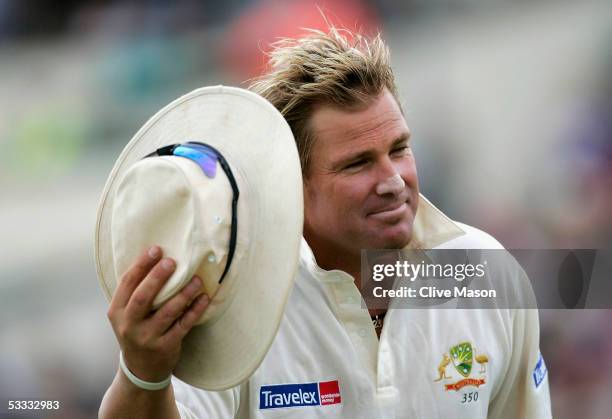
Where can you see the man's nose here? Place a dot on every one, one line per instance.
(393, 185)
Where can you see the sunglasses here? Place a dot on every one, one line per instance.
(207, 158)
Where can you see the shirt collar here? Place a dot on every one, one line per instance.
(430, 229)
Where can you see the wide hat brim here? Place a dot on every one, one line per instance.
(258, 144)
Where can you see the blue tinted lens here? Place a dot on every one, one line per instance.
(203, 156)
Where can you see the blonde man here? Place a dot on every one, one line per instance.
(338, 93)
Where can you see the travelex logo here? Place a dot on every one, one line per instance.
(299, 395)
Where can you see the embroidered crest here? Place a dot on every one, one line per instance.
(463, 356)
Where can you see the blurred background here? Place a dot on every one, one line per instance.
(509, 101)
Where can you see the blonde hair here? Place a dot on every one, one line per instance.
(337, 68)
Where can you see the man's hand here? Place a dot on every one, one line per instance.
(151, 341)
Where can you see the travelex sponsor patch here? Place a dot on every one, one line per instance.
(539, 372)
(299, 395)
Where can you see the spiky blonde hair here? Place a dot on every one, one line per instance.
(338, 68)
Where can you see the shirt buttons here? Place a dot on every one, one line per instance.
(362, 333)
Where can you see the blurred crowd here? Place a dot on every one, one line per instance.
(510, 104)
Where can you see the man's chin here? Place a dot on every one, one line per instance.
(392, 240)
(390, 236)
(398, 243)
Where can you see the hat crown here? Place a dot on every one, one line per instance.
(169, 201)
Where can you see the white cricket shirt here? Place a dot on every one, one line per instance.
(326, 361)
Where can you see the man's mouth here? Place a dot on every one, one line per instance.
(390, 212)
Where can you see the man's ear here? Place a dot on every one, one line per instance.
(305, 186)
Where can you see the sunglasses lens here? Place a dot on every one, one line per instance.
(203, 156)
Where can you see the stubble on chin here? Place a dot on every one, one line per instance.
(398, 240)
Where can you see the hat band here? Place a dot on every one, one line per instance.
(206, 156)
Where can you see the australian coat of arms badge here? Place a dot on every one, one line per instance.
(463, 356)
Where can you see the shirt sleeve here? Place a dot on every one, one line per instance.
(524, 391)
(194, 403)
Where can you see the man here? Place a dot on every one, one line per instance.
(338, 94)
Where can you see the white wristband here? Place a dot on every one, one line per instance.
(145, 385)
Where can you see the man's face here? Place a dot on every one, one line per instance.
(361, 189)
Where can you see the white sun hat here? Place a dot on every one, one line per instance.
(252, 203)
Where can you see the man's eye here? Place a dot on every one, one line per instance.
(355, 164)
(400, 150)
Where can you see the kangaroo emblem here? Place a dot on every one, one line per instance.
(442, 367)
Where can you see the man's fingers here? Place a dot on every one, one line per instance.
(140, 302)
(184, 324)
(173, 308)
(137, 272)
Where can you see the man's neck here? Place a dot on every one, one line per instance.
(330, 257)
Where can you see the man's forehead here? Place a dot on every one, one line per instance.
(354, 124)
(341, 131)
(374, 104)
